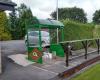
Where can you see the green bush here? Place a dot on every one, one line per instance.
(5, 36)
(4, 33)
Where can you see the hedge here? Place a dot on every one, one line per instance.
(77, 31)
(96, 31)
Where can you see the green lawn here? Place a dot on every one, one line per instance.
(91, 74)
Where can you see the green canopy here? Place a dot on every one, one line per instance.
(50, 23)
(46, 23)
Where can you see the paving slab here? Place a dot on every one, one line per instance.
(21, 59)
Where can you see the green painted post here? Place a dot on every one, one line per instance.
(27, 37)
(27, 44)
(40, 44)
(49, 36)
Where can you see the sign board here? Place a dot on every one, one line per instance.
(35, 54)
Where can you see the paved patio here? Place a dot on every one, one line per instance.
(48, 70)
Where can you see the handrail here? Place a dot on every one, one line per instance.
(79, 40)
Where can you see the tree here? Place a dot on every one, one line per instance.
(18, 28)
(76, 14)
(24, 14)
(96, 17)
(14, 26)
(4, 33)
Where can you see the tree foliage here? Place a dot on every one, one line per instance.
(14, 27)
(18, 27)
(76, 14)
(96, 17)
(4, 33)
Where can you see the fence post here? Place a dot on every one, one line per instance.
(98, 44)
(85, 45)
(67, 54)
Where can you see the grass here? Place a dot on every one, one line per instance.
(91, 74)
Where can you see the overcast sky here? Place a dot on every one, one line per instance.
(43, 8)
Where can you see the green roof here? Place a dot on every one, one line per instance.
(46, 23)
(51, 23)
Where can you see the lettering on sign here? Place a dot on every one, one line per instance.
(35, 54)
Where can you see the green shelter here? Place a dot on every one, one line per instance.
(35, 52)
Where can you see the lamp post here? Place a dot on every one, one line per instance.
(57, 9)
(57, 19)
